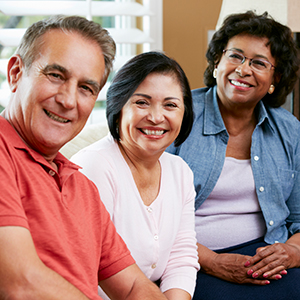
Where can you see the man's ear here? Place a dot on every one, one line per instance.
(15, 69)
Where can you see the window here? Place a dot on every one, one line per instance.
(136, 27)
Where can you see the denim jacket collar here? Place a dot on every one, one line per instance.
(213, 122)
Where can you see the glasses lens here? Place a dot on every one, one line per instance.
(260, 65)
(234, 57)
(257, 64)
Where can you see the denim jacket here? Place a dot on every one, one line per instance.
(275, 160)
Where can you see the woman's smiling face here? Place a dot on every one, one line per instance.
(240, 84)
(151, 119)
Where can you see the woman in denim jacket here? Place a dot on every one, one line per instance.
(244, 151)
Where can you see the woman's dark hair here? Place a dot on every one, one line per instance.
(282, 46)
(132, 74)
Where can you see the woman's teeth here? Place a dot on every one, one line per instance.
(153, 132)
(237, 83)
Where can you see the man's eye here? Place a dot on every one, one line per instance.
(55, 75)
(87, 89)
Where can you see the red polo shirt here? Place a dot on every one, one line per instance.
(70, 227)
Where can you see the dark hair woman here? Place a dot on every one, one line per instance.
(244, 150)
(148, 192)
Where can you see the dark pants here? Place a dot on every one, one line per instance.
(212, 288)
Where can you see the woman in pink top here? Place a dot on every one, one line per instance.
(148, 192)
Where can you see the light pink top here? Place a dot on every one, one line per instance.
(231, 215)
(161, 237)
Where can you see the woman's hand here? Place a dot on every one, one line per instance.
(272, 261)
(229, 267)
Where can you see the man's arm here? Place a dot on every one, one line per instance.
(131, 284)
(23, 275)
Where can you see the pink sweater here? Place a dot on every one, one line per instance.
(161, 237)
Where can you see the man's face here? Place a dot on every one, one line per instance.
(53, 99)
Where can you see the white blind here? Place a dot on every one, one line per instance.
(125, 32)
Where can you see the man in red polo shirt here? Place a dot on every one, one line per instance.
(56, 238)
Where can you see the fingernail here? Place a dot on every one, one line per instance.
(250, 272)
(278, 276)
(267, 282)
(265, 275)
(255, 275)
(247, 263)
(284, 272)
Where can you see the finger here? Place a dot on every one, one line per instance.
(273, 263)
(261, 267)
(261, 253)
(276, 273)
(257, 281)
(275, 277)
(268, 272)
(260, 249)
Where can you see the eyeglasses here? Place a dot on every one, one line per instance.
(257, 64)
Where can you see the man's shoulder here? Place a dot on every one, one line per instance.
(6, 129)
(8, 134)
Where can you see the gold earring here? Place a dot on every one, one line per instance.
(271, 89)
(215, 72)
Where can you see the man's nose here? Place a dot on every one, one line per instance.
(67, 95)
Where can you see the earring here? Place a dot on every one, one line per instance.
(215, 72)
(271, 89)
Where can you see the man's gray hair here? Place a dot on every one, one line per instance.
(32, 39)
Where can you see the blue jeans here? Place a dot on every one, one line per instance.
(212, 288)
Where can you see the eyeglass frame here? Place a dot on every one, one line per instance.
(250, 60)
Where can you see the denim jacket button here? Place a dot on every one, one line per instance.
(271, 223)
(256, 158)
(261, 189)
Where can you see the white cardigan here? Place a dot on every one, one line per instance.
(161, 237)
